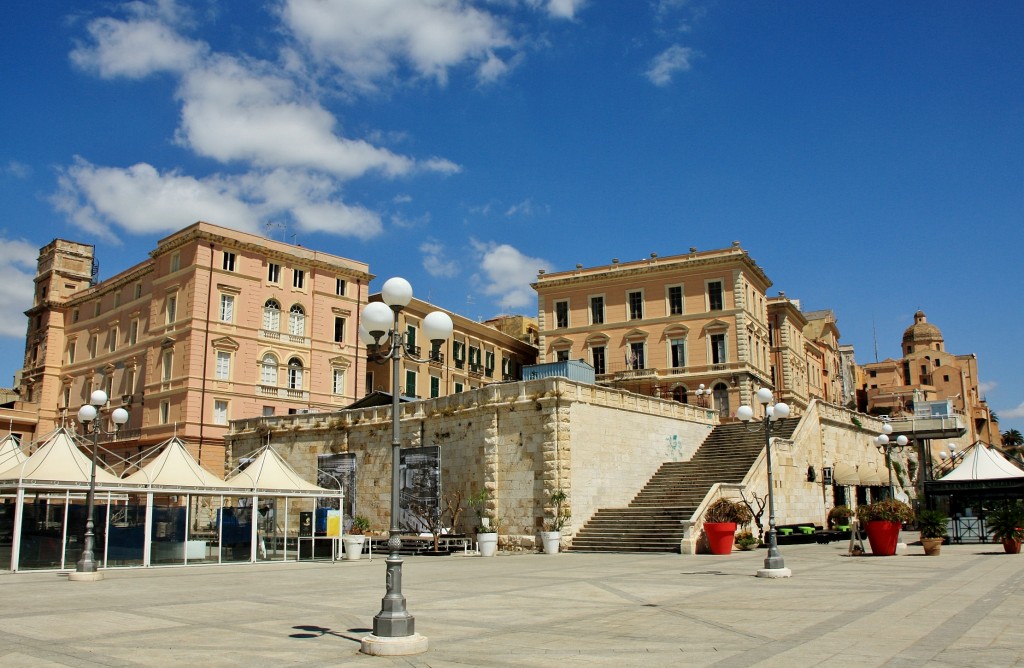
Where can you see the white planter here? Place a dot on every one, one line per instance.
(353, 546)
(551, 540)
(487, 543)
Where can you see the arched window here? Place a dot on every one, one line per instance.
(295, 374)
(268, 370)
(721, 395)
(679, 394)
(272, 316)
(297, 321)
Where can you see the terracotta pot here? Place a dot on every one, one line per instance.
(883, 536)
(1011, 546)
(932, 546)
(721, 536)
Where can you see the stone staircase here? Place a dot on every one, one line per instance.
(652, 521)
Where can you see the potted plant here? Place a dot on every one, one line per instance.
(720, 520)
(933, 525)
(883, 521)
(551, 537)
(487, 529)
(745, 540)
(355, 538)
(1006, 524)
(839, 517)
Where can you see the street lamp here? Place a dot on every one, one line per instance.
(774, 566)
(886, 446)
(394, 629)
(89, 417)
(703, 395)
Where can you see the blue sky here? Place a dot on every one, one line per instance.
(869, 155)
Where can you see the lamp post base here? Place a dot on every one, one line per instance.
(774, 573)
(399, 646)
(79, 576)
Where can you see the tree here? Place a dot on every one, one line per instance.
(1012, 437)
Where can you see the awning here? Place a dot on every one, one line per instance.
(844, 474)
(872, 478)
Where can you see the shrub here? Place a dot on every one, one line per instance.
(360, 525)
(932, 524)
(1007, 521)
(839, 515)
(724, 510)
(745, 539)
(889, 510)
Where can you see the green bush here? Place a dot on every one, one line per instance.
(1007, 521)
(932, 524)
(889, 510)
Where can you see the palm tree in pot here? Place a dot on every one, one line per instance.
(1006, 524)
(933, 526)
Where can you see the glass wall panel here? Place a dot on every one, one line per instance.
(126, 536)
(42, 531)
(236, 530)
(6, 531)
(167, 536)
(203, 537)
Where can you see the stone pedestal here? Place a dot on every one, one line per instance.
(400, 646)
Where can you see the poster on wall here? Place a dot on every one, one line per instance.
(338, 471)
(420, 475)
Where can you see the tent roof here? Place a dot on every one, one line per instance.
(175, 467)
(269, 472)
(10, 452)
(983, 463)
(58, 460)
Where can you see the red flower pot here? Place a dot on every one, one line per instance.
(1011, 546)
(883, 537)
(721, 536)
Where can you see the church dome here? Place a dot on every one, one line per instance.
(922, 331)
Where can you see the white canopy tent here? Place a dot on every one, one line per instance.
(983, 463)
(168, 511)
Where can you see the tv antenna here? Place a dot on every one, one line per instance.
(270, 225)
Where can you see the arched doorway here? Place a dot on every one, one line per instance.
(721, 396)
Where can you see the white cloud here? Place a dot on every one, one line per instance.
(18, 170)
(1012, 413)
(141, 200)
(673, 59)
(506, 274)
(435, 261)
(17, 266)
(135, 49)
(564, 9)
(984, 387)
(368, 40)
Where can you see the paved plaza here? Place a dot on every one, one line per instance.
(963, 608)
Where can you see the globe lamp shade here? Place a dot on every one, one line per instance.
(781, 411)
(396, 292)
(745, 413)
(902, 440)
(882, 439)
(87, 413)
(365, 337)
(377, 319)
(98, 398)
(764, 395)
(886, 428)
(119, 416)
(437, 326)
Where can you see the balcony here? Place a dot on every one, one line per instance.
(282, 392)
(437, 359)
(460, 364)
(476, 369)
(270, 334)
(296, 338)
(634, 374)
(120, 435)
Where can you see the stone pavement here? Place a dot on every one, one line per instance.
(962, 608)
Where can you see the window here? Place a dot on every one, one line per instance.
(597, 358)
(172, 308)
(273, 273)
(168, 365)
(71, 352)
(597, 310)
(874, 374)
(945, 378)
(268, 370)
(718, 349)
(474, 358)
(129, 382)
(298, 278)
(489, 362)
(410, 383)
(223, 365)
(715, 296)
(368, 382)
(410, 337)
(67, 397)
(459, 354)
(133, 332)
(561, 314)
(138, 290)
(227, 308)
(220, 411)
(339, 329)
(175, 262)
(562, 355)
(96, 309)
(268, 411)
(74, 316)
(677, 352)
(338, 381)
(339, 287)
(112, 341)
(435, 387)
(675, 302)
(636, 355)
(458, 387)
(635, 301)
(93, 342)
(117, 297)
(295, 374)
(297, 320)
(272, 316)
(229, 261)
(165, 412)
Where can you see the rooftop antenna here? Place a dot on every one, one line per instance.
(271, 225)
(874, 335)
